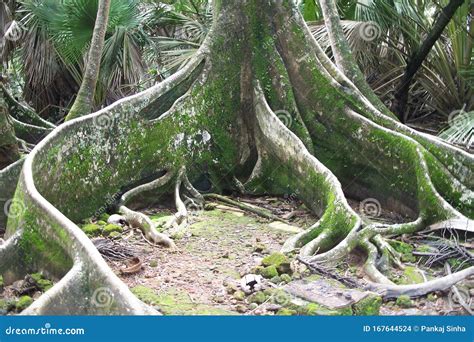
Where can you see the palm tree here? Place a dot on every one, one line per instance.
(85, 97)
(399, 27)
(59, 35)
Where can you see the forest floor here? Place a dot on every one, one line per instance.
(223, 246)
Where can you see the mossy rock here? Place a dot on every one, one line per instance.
(153, 263)
(286, 312)
(112, 228)
(239, 295)
(104, 217)
(257, 297)
(404, 301)
(269, 272)
(286, 278)
(92, 229)
(1, 282)
(102, 223)
(114, 235)
(276, 280)
(43, 283)
(23, 303)
(275, 259)
(368, 306)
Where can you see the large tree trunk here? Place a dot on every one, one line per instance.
(85, 97)
(262, 110)
(9, 152)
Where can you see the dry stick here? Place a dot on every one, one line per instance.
(349, 282)
(457, 293)
(240, 205)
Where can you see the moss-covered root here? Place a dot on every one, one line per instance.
(324, 194)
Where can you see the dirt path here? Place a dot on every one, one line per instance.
(219, 245)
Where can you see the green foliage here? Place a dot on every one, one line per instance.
(60, 33)
(396, 30)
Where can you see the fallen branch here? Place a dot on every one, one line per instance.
(260, 212)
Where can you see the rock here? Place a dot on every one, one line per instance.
(240, 308)
(251, 283)
(286, 312)
(239, 295)
(113, 235)
(23, 303)
(42, 283)
(269, 272)
(286, 278)
(253, 306)
(257, 297)
(285, 227)
(117, 219)
(280, 261)
(404, 301)
(259, 248)
(274, 259)
(276, 280)
(111, 228)
(92, 229)
(272, 307)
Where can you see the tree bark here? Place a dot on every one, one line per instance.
(9, 152)
(305, 130)
(399, 105)
(85, 97)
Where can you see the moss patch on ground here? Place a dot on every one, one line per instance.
(175, 302)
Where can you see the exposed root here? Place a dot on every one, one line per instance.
(142, 221)
(388, 251)
(370, 267)
(416, 290)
